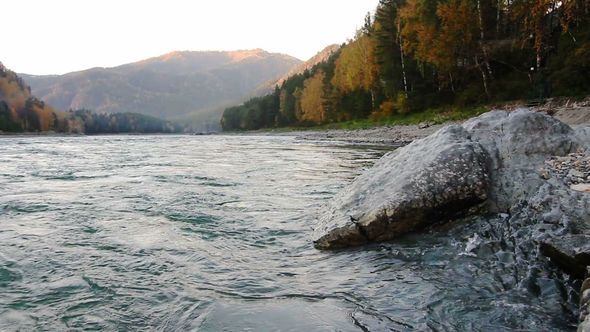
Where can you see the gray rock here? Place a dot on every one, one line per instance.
(424, 125)
(570, 252)
(519, 143)
(495, 157)
(583, 134)
(585, 307)
(428, 181)
(575, 173)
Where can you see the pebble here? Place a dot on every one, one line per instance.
(583, 187)
(544, 174)
(573, 169)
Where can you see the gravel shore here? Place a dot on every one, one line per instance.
(390, 135)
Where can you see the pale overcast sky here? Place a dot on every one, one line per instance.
(59, 36)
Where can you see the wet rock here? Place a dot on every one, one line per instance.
(430, 180)
(570, 252)
(585, 307)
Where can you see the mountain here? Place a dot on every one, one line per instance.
(188, 86)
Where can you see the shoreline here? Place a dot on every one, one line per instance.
(574, 114)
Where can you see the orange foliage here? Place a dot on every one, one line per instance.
(418, 32)
(46, 117)
(442, 39)
(457, 35)
(12, 93)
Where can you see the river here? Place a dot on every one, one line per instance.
(213, 233)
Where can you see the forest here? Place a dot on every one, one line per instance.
(417, 55)
(22, 112)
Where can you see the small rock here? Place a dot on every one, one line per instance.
(575, 173)
(583, 187)
(570, 252)
(424, 125)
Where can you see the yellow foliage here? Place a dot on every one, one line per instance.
(312, 99)
(356, 67)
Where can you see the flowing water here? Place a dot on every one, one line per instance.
(213, 233)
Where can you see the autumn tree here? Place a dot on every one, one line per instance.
(456, 40)
(356, 68)
(312, 99)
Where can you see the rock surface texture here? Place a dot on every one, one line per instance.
(427, 181)
(585, 307)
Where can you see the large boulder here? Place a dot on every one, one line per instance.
(496, 157)
(427, 181)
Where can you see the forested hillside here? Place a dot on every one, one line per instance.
(415, 55)
(20, 111)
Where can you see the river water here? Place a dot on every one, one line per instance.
(213, 233)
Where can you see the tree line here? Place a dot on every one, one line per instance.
(412, 55)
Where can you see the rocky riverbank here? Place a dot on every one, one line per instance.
(527, 166)
(388, 135)
(573, 113)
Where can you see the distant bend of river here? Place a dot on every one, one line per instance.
(213, 233)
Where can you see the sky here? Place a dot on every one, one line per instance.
(58, 36)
